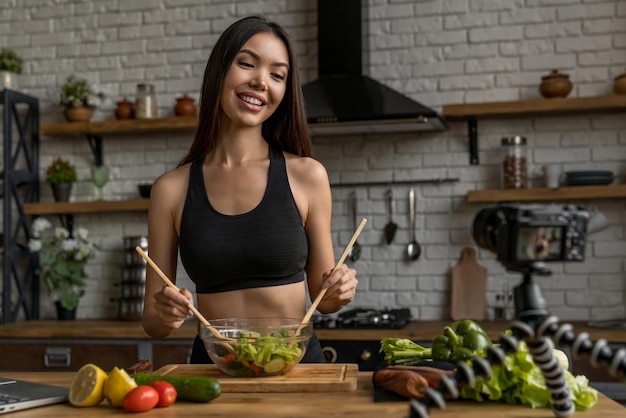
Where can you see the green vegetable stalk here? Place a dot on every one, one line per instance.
(403, 351)
(460, 341)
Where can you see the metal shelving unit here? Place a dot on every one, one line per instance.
(20, 283)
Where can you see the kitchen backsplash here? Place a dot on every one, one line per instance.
(436, 52)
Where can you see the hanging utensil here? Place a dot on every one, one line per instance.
(391, 227)
(413, 249)
(355, 252)
(318, 299)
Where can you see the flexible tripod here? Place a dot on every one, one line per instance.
(540, 331)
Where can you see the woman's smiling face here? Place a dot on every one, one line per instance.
(256, 81)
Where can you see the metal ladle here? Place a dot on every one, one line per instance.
(355, 251)
(413, 249)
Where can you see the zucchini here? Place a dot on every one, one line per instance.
(189, 388)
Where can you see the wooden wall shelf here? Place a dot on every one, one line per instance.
(616, 191)
(534, 107)
(124, 126)
(606, 104)
(70, 208)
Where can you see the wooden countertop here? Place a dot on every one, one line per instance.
(113, 329)
(357, 403)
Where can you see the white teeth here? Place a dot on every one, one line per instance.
(251, 100)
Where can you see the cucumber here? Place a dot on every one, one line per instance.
(275, 365)
(189, 388)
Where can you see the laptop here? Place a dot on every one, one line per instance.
(16, 395)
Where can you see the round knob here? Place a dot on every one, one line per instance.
(366, 355)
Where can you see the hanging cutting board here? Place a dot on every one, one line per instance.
(307, 377)
(469, 288)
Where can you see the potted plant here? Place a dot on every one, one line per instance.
(62, 261)
(61, 174)
(79, 96)
(10, 67)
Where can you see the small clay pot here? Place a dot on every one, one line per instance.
(185, 106)
(619, 85)
(555, 84)
(125, 110)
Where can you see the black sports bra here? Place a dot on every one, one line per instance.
(264, 247)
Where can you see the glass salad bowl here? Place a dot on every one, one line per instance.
(256, 347)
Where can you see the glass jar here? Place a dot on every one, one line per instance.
(514, 163)
(145, 102)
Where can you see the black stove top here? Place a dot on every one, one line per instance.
(365, 319)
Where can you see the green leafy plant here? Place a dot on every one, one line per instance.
(62, 260)
(77, 91)
(10, 61)
(60, 171)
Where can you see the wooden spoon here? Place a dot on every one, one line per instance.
(168, 282)
(319, 297)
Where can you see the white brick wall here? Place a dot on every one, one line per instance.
(438, 52)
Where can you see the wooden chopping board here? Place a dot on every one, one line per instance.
(331, 377)
(469, 288)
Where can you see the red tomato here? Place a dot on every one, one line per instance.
(257, 369)
(167, 393)
(142, 398)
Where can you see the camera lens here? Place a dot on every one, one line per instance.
(484, 229)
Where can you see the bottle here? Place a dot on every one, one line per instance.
(514, 164)
(145, 102)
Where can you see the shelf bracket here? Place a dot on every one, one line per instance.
(68, 223)
(472, 134)
(95, 143)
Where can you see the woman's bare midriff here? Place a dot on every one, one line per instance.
(286, 301)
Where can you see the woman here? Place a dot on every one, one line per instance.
(248, 206)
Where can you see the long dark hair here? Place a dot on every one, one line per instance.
(287, 126)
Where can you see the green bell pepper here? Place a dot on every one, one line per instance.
(460, 341)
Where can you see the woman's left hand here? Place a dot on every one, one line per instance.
(341, 286)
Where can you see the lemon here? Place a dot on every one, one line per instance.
(87, 387)
(117, 386)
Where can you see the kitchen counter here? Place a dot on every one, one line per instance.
(114, 329)
(357, 403)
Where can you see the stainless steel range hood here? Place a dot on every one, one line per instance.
(343, 100)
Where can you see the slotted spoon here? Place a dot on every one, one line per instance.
(391, 227)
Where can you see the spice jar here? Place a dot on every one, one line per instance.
(185, 106)
(145, 102)
(514, 164)
(619, 85)
(555, 84)
(124, 109)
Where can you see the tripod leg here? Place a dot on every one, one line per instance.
(543, 356)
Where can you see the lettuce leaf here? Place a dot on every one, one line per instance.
(520, 381)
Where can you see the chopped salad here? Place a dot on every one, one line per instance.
(259, 355)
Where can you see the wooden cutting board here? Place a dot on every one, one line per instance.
(307, 377)
(469, 288)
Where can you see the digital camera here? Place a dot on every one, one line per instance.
(524, 234)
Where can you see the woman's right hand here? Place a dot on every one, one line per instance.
(172, 306)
